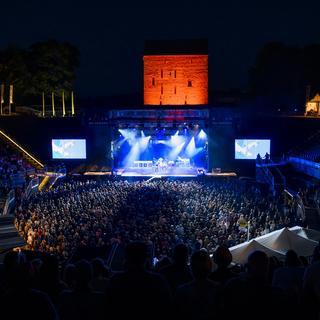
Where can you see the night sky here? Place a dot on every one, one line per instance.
(111, 38)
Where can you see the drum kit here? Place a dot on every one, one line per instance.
(162, 165)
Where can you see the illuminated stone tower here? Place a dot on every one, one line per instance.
(176, 72)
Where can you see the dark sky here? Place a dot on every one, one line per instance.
(111, 38)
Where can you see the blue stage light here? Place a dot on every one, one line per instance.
(170, 144)
(143, 143)
(202, 135)
(176, 141)
(127, 133)
(133, 155)
(191, 149)
(176, 151)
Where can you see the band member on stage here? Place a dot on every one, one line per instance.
(158, 165)
(161, 164)
(164, 165)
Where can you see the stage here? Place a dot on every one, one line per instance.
(172, 173)
(153, 172)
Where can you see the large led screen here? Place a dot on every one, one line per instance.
(249, 148)
(68, 149)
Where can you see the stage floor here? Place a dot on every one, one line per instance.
(119, 172)
(150, 172)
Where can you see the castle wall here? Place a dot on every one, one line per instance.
(175, 79)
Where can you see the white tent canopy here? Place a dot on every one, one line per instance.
(241, 251)
(306, 233)
(277, 243)
(284, 240)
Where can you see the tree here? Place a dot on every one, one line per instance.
(13, 69)
(311, 66)
(281, 68)
(52, 67)
(47, 67)
(278, 70)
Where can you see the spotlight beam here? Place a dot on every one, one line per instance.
(175, 151)
(191, 149)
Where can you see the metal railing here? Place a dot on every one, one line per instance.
(283, 178)
(263, 174)
(31, 188)
(21, 149)
(305, 166)
(9, 204)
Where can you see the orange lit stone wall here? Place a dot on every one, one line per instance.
(175, 79)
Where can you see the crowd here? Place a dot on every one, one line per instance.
(33, 287)
(200, 213)
(189, 224)
(14, 173)
(11, 164)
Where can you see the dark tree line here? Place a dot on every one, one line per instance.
(286, 70)
(47, 67)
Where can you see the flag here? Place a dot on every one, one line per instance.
(2, 93)
(11, 94)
